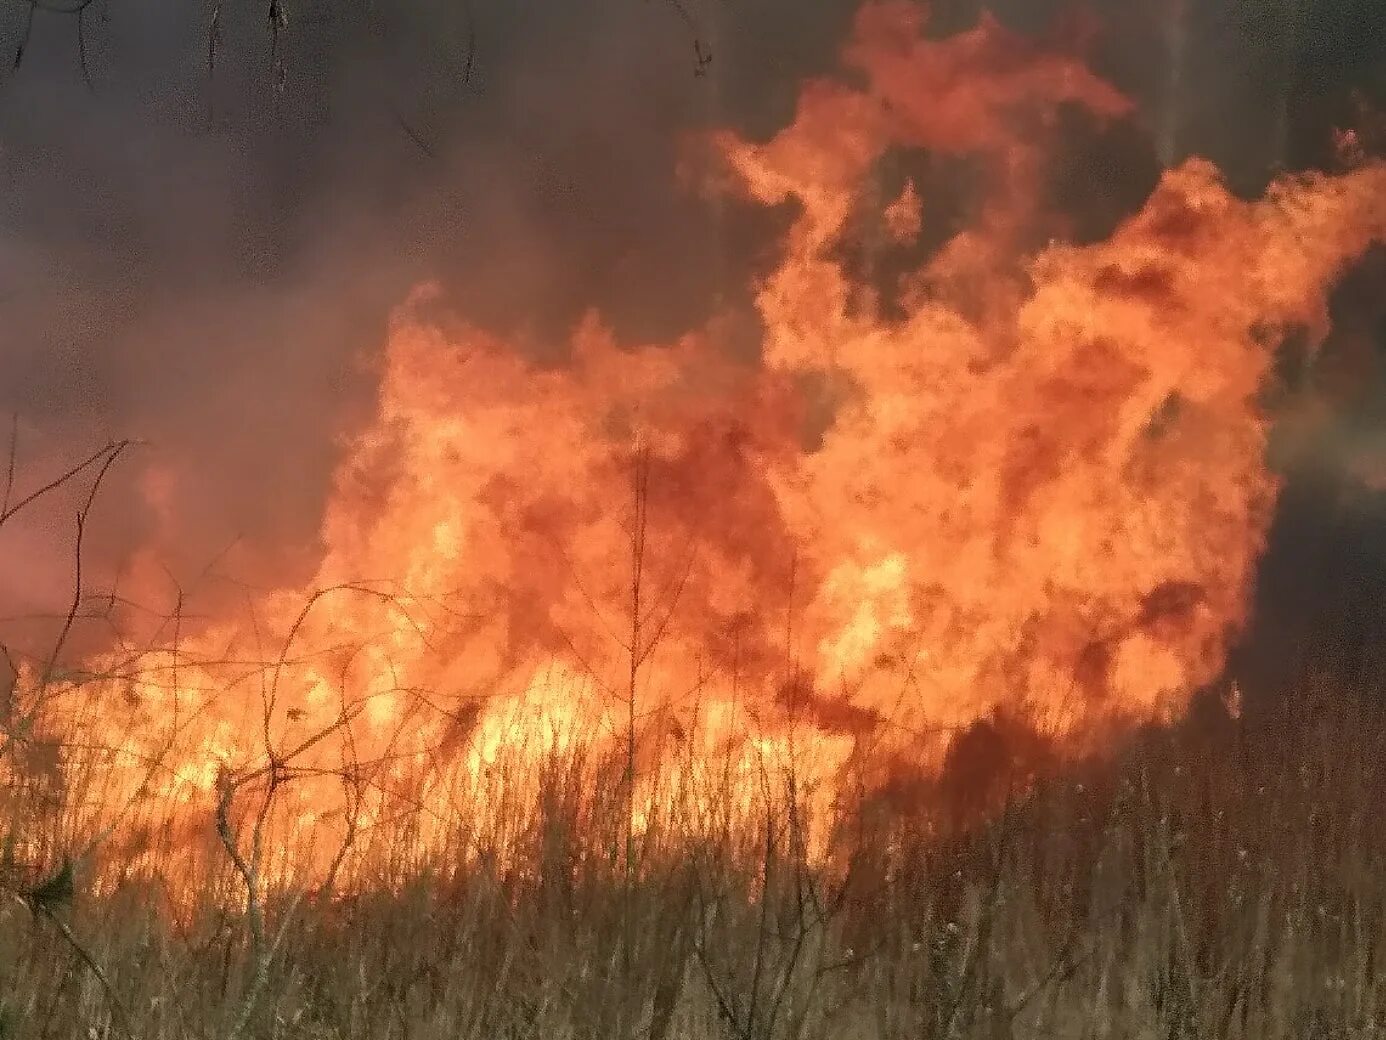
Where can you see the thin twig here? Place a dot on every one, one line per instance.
(113, 449)
(9, 470)
(82, 514)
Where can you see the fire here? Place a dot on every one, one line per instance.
(1042, 487)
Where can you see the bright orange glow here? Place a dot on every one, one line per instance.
(1043, 486)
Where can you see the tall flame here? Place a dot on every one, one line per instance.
(1041, 486)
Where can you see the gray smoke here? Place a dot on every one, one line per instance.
(205, 258)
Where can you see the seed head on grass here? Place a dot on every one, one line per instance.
(54, 892)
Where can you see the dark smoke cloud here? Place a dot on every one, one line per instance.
(204, 265)
(208, 263)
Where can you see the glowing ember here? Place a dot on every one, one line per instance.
(1043, 487)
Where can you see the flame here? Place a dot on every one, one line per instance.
(1042, 488)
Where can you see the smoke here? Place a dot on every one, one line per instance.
(202, 265)
(206, 261)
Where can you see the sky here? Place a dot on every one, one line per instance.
(207, 259)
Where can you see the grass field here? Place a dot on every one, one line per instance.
(1224, 878)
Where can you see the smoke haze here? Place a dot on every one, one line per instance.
(206, 260)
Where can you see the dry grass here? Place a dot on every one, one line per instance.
(1219, 880)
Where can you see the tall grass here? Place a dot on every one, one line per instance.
(1222, 878)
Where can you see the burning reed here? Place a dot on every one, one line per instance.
(669, 692)
(1221, 878)
(1040, 488)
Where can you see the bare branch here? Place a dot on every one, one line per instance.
(82, 49)
(9, 469)
(702, 52)
(24, 36)
(112, 449)
(412, 134)
(82, 514)
(213, 42)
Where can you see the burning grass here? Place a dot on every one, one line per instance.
(671, 719)
(1220, 878)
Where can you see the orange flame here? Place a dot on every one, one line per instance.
(1043, 486)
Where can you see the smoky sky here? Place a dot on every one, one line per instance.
(200, 247)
